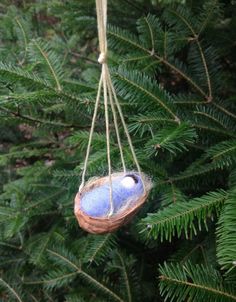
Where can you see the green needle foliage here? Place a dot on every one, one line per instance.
(181, 217)
(194, 282)
(173, 67)
(226, 231)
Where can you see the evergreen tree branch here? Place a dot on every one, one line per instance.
(216, 130)
(182, 216)
(209, 15)
(173, 139)
(203, 169)
(226, 234)
(100, 286)
(13, 74)
(198, 286)
(196, 38)
(126, 278)
(45, 56)
(161, 60)
(64, 259)
(53, 280)
(209, 116)
(24, 37)
(209, 98)
(98, 247)
(145, 91)
(11, 290)
(186, 144)
(194, 282)
(35, 120)
(183, 75)
(224, 110)
(87, 277)
(151, 35)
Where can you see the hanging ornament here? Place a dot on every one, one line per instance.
(103, 204)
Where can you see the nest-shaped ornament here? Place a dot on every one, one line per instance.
(92, 204)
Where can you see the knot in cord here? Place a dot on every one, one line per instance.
(102, 58)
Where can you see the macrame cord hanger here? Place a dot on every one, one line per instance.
(110, 98)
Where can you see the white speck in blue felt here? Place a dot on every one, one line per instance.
(96, 203)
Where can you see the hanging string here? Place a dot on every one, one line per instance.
(116, 124)
(109, 93)
(101, 7)
(104, 73)
(126, 129)
(91, 133)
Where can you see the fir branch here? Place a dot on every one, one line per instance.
(214, 116)
(214, 130)
(39, 96)
(38, 244)
(98, 248)
(224, 110)
(194, 282)
(65, 259)
(183, 75)
(12, 73)
(226, 234)
(30, 80)
(219, 156)
(35, 120)
(24, 37)
(172, 139)
(182, 217)
(10, 289)
(53, 281)
(42, 49)
(151, 34)
(209, 98)
(100, 286)
(192, 172)
(119, 36)
(144, 123)
(145, 87)
(54, 91)
(126, 278)
(88, 278)
(182, 17)
(223, 154)
(210, 10)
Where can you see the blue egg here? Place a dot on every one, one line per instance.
(96, 202)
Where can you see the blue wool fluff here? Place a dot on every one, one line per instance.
(96, 202)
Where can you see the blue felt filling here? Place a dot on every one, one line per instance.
(96, 202)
